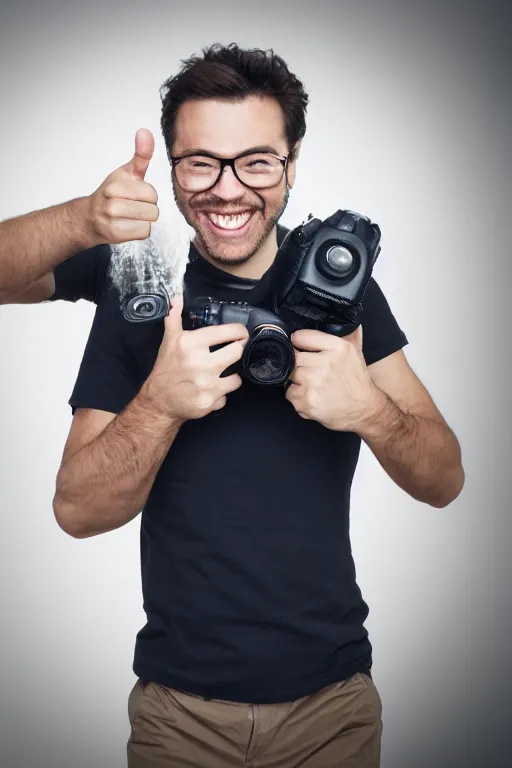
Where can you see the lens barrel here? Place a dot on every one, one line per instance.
(141, 307)
(268, 356)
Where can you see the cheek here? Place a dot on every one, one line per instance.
(274, 198)
(182, 201)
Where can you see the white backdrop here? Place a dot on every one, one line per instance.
(408, 122)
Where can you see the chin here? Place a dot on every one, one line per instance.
(223, 255)
(234, 250)
(229, 251)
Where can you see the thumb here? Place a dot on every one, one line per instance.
(173, 323)
(356, 338)
(144, 148)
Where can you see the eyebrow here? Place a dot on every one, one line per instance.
(199, 151)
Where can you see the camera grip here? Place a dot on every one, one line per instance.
(340, 329)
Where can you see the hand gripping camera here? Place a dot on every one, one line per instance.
(319, 277)
(268, 356)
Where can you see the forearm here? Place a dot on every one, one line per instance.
(32, 245)
(106, 483)
(421, 455)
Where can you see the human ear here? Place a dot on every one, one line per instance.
(292, 164)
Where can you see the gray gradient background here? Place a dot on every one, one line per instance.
(410, 121)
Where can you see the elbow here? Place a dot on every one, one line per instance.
(69, 519)
(451, 489)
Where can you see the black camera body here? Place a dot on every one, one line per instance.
(268, 356)
(323, 271)
(319, 278)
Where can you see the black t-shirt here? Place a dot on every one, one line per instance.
(83, 276)
(248, 579)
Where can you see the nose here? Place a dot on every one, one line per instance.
(228, 187)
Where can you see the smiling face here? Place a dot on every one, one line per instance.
(233, 223)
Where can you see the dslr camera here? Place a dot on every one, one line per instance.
(268, 356)
(319, 278)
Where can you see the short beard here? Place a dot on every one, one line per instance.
(270, 223)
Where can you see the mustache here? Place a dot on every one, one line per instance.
(233, 206)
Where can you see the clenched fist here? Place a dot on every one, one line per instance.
(124, 206)
(186, 382)
(330, 382)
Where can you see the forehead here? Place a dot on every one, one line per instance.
(228, 128)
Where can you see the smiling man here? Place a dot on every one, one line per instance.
(236, 223)
(255, 651)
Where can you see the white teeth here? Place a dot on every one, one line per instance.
(230, 222)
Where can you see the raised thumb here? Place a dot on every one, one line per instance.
(144, 148)
(173, 322)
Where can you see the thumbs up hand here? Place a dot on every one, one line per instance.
(123, 207)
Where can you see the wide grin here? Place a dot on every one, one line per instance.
(236, 221)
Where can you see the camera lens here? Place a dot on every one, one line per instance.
(145, 308)
(340, 260)
(141, 307)
(266, 362)
(337, 261)
(268, 356)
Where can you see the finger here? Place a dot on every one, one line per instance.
(314, 341)
(297, 376)
(220, 403)
(131, 189)
(131, 209)
(231, 383)
(125, 230)
(226, 356)
(173, 322)
(219, 334)
(292, 391)
(293, 395)
(308, 359)
(144, 148)
(356, 337)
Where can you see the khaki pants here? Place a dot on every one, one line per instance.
(338, 726)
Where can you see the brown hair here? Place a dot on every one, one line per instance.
(231, 73)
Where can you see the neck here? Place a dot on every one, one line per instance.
(255, 267)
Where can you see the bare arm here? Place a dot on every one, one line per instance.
(41, 290)
(109, 466)
(385, 404)
(110, 462)
(409, 436)
(120, 210)
(32, 245)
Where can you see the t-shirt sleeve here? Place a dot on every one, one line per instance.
(381, 333)
(109, 377)
(83, 276)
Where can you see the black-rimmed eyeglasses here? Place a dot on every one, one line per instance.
(201, 172)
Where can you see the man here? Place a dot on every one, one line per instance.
(255, 651)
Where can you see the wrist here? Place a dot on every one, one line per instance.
(151, 403)
(79, 221)
(380, 416)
